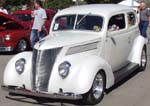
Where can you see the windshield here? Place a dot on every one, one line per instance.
(23, 17)
(78, 22)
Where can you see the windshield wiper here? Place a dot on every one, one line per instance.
(83, 17)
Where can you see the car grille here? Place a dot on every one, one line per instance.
(42, 64)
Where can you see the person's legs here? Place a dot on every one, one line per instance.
(33, 37)
(144, 29)
(140, 27)
(40, 35)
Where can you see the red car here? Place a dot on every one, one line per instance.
(15, 30)
(25, 15)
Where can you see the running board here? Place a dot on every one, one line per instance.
(122, 73)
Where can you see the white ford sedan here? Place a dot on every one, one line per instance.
(88, 50)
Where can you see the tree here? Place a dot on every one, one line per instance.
(102, 1)
(13, 5)
(58, 4)
(2, 1)
(17, 2)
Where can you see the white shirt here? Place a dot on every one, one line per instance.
(39, 16)
(4, 11)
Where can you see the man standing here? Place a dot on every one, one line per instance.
(38, 27)
(144, 19)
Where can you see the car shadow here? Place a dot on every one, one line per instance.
(13, 52)
(120, 83)
(7, 53)
(43, 101)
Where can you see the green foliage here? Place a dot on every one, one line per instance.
(58, 4)
(17, 2)
(2, 1)
(102, 1)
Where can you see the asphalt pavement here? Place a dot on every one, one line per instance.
(133, 91)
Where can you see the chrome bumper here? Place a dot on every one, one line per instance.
(22, 91)
(6, 49)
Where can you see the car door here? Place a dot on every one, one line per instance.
(132, 23)
(117, 44)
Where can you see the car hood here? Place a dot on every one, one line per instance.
(56, 40)
(7, 17)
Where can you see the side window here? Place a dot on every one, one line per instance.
(131, 19)
(116, 22)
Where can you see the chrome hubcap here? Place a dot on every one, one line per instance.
(22, 45)
(98, 86)
(143, 59)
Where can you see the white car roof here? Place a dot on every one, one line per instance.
(101, 9)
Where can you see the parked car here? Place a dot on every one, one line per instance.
(15, 30)
(88, 50)
(25, 15)
(14, 34)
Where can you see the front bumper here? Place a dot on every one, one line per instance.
(23, 91)
(6, 49)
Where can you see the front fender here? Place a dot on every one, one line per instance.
(88, 71)
(81, 76)
(12, 78)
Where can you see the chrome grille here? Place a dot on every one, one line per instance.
(42, 64)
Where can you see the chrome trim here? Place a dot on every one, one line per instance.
(22, 91)
(98, 85)
(42, 64)
(143, 59)
(6, 49)
(82, 48)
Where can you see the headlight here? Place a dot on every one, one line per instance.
(64, 69)
(7, 37)
(19, 65)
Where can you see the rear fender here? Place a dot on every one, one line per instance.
(135, 54)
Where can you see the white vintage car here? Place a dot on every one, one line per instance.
(88, 50)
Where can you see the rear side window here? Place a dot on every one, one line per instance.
(131, 19)
(116, 22)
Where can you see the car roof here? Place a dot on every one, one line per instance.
(101, 9)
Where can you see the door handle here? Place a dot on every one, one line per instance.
(113, 40)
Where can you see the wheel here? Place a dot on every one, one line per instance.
(143, 59)
(22, 45)
(96, 92)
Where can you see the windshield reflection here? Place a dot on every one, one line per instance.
(78, 22)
